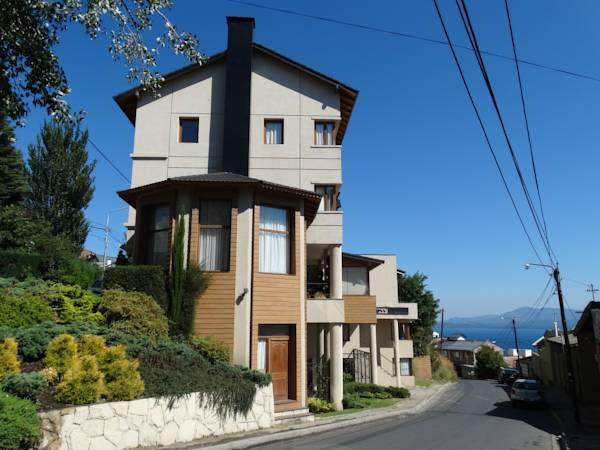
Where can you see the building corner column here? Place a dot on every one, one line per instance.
(336, 367)
(397, 352)
(335, 272)
(373, 343)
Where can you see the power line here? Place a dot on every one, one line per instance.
(410, 36)
(518, 70)
(466, 20)
(109, 161)
(485, 134)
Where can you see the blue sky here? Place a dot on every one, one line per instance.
(418, 179)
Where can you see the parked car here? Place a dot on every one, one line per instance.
(526, 390)
(507, 376)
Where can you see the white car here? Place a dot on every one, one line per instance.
(526, 391)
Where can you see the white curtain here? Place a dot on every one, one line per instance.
(405, 367)
(355, 281)
(324, 133)
(261, 355)
(214, 249)
(274, 131)
(274, 238)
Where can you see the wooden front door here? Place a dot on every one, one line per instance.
(278, 366)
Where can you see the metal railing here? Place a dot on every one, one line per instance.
(358, 364)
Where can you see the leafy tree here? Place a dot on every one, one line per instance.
(61, 180)
(30, 70)
(412, 289)
(12, 170)
(488, 361)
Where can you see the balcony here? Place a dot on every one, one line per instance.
(326, 228)
(325, 310)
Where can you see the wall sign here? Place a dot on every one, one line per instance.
(389, 311)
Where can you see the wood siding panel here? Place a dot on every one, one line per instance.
(216, 306)
(277, 299)
(360, 309)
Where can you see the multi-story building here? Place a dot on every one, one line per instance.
(247, 149)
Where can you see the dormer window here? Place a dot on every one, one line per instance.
(273, 131)
(188, 130)
(324, 132)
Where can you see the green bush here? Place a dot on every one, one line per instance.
(357, 388)
(316, 405)
(9, 364)
(78, 272)
(353, 401)
(23, 311)
(488, 361)
(261, 379)
(211, 348)
(369, 390)
(382, 395)
(24, 385)
(122, 379)
(61, 354)
(91, 345)
(194, 283)
(19, 423)
(73, 304)
(134, 313)
(82, 384)
(147, 279)
(397, 392)
(20, 265)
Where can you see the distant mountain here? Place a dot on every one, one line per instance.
(525, 317)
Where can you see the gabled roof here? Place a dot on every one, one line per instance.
(127, 100)
(465, 346)
(227, 179)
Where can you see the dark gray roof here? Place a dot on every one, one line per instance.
(561, 339)
(217, 177)
(465, 346)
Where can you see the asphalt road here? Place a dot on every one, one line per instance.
(473, 415)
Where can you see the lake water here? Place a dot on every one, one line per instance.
(503, 336)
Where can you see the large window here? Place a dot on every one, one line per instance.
(273, 131)
(188, 129)
(274, 240)
(329, 196)
(355, 281)
(324, 133)
(215, 235)
(158, 236)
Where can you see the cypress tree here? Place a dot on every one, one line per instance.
(61, 179)
(13, 178)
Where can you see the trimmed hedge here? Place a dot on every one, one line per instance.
(375, 391)
(19, 423)
(211, 348)
(147, 279)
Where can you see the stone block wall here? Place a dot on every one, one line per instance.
(147, 422)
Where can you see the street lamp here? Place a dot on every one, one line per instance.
(569, 365)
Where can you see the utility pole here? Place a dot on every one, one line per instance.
(106, 231)
(517, 347)
(593, 291)
(442, 334)
(568, 355)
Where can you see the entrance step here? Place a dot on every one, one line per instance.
(294, 416)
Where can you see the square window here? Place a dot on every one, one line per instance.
(324, 131)
(273, 131)
(330, 196)
(188, 129)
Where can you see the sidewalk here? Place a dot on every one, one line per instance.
(584, 436)
(420, 400)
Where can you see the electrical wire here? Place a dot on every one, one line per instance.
(109, 161)
(410, 36)
(483, 129)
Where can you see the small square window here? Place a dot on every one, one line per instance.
(273, 131)
(324, 133)
(188, 129)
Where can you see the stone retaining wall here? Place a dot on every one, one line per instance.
(147, 422)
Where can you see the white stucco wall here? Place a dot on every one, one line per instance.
(148, 422)
(383, 281)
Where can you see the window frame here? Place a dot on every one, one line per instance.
(183, 119)
(333, 132)
(280, 121)
(333, 201)
(150, 231)
(216, 226)
(289, 214)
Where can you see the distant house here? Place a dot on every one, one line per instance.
(463, 352)
(457, 337)
(587, 332)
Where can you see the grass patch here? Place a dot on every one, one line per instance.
(370, 403)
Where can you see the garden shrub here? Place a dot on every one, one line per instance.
(19, 423)
(82, 383)
(261, 379)
(211, 348)
(23, 311)
(24, 385)
(316, 405)
(357, 388)
(19, 264)
(141, 278)
(92, 345)
(194, 283)
(353, 401)
(50, 375)
(397, 392)
(122, 379)
(73, 304)
(9, 363)
(133, 313)
(382, 395)
(61, 354)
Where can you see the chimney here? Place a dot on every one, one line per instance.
(238, 66)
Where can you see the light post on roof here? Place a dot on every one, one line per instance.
(567, 346)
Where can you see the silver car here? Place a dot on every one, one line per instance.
(526, 391)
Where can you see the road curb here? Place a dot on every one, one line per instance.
(370, 416)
